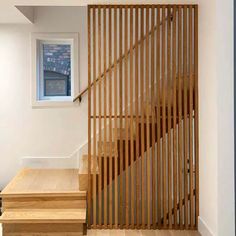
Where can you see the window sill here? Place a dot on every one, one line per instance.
(53, 104)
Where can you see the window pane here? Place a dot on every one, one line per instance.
(57, 69)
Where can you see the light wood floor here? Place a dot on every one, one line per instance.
(142, 233)
(137, 233)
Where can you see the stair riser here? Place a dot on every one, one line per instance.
(45, 229)
(44, 203)
(107, 148)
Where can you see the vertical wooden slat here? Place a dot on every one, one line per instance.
(131, 119)
(120, 110)
(169, 173)
(174, 115)
(191, 120)
(147, 122)
(100, 119)
(158, 91)
(164, 117)
(196, 130)
(94, 118)
(89, 119)
(126, 120)
(180, 143)
(115, 111)
(110, 116)
(137, 152)
(185, 118)
(105, 113)
(153, 122)
(142, 115)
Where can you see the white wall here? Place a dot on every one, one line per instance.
(225, 178)
(208, 119)
(37, 132)
(216, 118)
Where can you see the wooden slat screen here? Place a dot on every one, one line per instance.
(143, 116)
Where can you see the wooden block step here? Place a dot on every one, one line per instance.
(46, 183)
(121, 133)
(110, 148)
(65, 202)
(44, 202)
(28, 216)
(83, 171)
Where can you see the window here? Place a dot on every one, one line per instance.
(54, 69)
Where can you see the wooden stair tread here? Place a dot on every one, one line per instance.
(110, 148)
(121, 133)
(44, 216)
(44, 182)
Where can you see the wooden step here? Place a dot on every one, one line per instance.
(46, 183)
(28, 216)
(83, 171)
(44, 222)
(44, 189)
(110, 148)
(44, 202)
(84, 164)
(121, 133)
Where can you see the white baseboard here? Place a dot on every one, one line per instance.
(203, 228)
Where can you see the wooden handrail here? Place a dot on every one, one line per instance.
(79, 96)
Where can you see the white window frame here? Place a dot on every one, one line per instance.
(37, 40)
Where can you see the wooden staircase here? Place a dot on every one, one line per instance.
(138, 137)
(121, 145)
(44, 202)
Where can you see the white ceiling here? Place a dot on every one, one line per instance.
(10, 14)
(21, 11)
